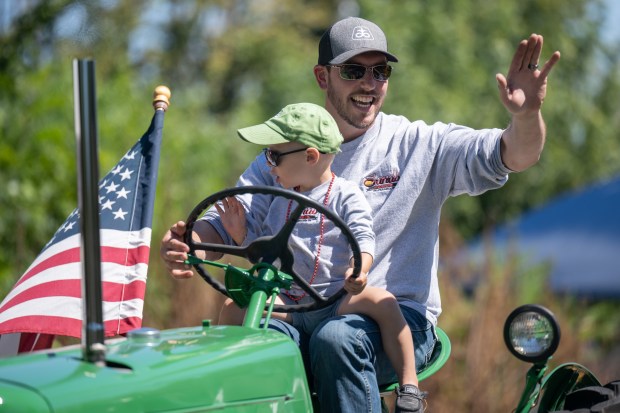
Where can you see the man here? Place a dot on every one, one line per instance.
(406, 170)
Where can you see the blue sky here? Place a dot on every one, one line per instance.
(612, 27)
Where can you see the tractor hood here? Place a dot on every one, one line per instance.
(226, 368)
(20, 398)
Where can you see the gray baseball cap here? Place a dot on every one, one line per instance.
(350, 37)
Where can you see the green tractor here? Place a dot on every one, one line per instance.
(248, 368)
(252, 368)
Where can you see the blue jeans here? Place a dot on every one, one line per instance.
(347, 362)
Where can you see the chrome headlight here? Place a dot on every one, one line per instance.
(532, 333)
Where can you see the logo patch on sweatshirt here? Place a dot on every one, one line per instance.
(309, 214)
(381, 183)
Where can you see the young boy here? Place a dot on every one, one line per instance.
(302, 140)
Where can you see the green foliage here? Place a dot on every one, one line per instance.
(598, 326)
(35, 167)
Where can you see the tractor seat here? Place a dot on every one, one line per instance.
(440, 355)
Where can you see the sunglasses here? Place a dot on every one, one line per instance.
(273, 157)
(350, 71)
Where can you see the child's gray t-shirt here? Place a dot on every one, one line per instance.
(349, 203)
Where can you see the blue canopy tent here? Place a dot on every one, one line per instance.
(577, 234)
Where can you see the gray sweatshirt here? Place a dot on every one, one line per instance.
(407, 170)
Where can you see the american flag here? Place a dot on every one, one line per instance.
(47, 299)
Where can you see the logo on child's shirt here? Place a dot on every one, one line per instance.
(309, 214)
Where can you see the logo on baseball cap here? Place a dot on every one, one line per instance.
(348, 38)
(306, 123)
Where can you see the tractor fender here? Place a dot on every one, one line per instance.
(564, 379)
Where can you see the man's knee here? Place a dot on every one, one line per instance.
(285, 328)
(343, 334)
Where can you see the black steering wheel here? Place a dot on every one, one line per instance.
(268, 249)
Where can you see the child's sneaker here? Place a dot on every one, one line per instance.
(409, 399)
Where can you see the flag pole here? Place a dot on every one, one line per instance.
(93, 347)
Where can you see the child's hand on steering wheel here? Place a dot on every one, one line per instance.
(355, 285)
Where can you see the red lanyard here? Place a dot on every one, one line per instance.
(321, 233)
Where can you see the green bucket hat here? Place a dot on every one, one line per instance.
(306, 123)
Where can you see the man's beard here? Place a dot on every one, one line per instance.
(340, 107)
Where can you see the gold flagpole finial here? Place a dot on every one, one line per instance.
(161, 98)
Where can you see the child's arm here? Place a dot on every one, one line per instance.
(232, 215)
(356, 285)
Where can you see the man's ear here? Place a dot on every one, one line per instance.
(320, 74)
(312, 155)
